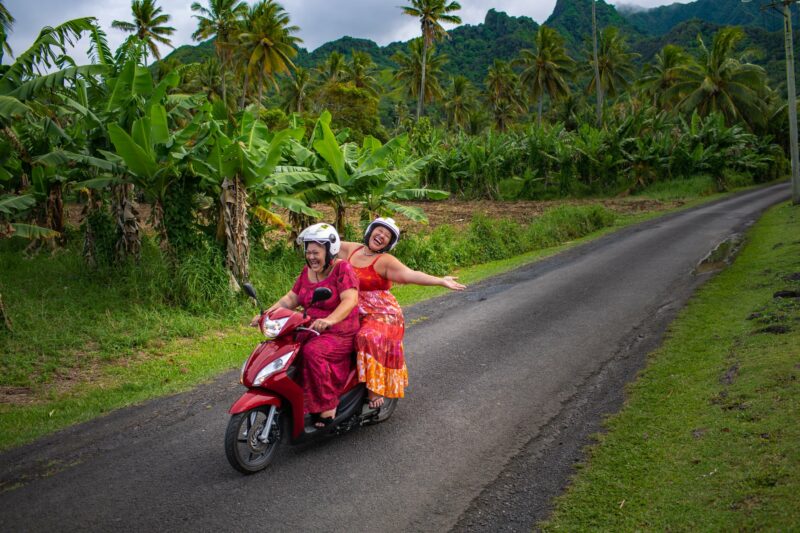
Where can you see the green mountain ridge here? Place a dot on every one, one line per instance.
(471, 49)
(660, 20)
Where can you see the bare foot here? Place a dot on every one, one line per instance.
(375, 400)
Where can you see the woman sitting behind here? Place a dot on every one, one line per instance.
(326, 358)
(379, 342)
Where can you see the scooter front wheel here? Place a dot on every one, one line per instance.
(249, 444)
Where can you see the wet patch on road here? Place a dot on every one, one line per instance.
(721, 256)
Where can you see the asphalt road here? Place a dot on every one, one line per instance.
(508, 379)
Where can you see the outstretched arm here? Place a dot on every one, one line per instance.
(397, 272)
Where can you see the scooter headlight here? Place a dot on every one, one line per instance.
(274, 366)
(272, 328)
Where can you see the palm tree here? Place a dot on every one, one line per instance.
(359, 72)
(505, 97)
(596, 65)
(720, 82)
(148, 25)
(6, 22)
(615, 64)
(220, 20)
(429, 13)
(546, 68)
(268, 43)
(332, 70)
(297, 90)
(206, 78)
(460, 102)
(659, 77)
(411, 66)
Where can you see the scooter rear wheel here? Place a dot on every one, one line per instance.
(247, 447)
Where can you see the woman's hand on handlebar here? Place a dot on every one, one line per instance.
(320, 325)
(254, 322)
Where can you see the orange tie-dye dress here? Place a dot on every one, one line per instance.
(379, 342)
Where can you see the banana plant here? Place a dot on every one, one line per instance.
(246, 163)
(399, 180)
(373, 175)
(156, 157)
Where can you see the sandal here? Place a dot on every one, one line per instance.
(321, 422)
(376, 402)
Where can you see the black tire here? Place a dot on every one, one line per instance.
(388, 407)
(245, 451)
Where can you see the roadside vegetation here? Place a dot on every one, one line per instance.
(708, 435)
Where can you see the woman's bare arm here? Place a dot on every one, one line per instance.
(348, 301)
(397, 272)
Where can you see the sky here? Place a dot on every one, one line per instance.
(320, 21)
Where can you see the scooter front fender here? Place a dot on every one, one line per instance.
(254, 398)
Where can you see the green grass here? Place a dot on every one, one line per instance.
(710, 432)
(678, 189)
(88, 342)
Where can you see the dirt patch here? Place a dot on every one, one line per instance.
(776, 329)
(17, 395)
(456, 213)
(730, 375)
(786, 294)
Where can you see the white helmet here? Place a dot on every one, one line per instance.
(387, 223)
(323, 234)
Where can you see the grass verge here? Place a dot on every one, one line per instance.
(708, 438)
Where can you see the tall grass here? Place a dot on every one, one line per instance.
(445, 249)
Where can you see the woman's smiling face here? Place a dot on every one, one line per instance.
(379, 238)
(315, 257)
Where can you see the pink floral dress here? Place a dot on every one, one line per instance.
(379, 343)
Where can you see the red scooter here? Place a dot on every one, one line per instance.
(271, 413)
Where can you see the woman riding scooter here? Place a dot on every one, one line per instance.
(327, 357)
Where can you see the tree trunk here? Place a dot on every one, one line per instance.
(341, 211)
(243, 99)
(297, 221)
(539, 111)
(126, 217)
(598, 84)
(159, 224)
(93, 204)
(421, 98)
(23, 154)
(234, 204)
(223, 62)
(55, 210)
(4, 315)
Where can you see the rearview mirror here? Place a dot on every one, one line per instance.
(250, 291)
